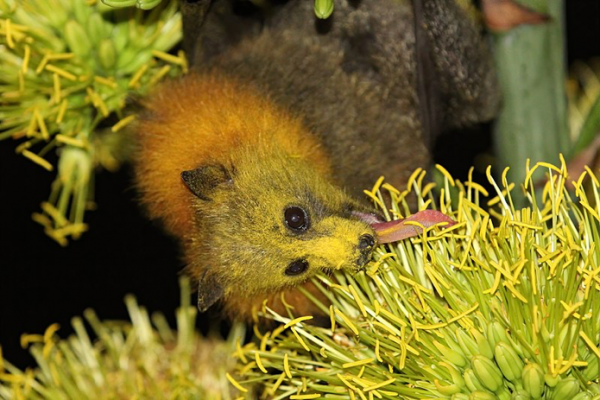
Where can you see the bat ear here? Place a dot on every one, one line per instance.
(209, 292)
(203, 180)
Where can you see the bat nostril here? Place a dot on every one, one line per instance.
(366, 242)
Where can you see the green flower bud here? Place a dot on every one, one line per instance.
(147, 4)
(509, 362)
(466, 343)
(502, 393)
(323, 8)
(487, 372)
(592, 371)
(77, 38)
(81, 10)
(566, 389)
(516, 346)
(451, 355)
(446, 390)
(496, 333)
(482, 344)
(551, 380)
(471, 381)
(107, 54)
(479, 395)
(455, 375)
(594, 388)
(459, 396)
(521, 394)
(533, 380)
(119, 3)
(582, 396)
(98, 28)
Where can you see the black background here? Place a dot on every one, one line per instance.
(42, 283)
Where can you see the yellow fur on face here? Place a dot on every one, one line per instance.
(238, 238)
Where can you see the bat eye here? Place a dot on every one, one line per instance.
(296, 218)
(296, 267)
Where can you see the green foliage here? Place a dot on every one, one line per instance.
(530, 62)
(584, 104)
(67, 68)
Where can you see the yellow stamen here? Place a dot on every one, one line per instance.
(240, 352)
(50, 331)
(445, 172)
(167, 57)
(184, 63)
(42, 124)
(26, 58)
(305, 396)
(347, 383)
(277, 383)
(358, 301)
(464, 313)
(235, 383)
(347, 321)
(30, 338)
(8, 33)
(375, 199)
(590, 344)
(332, 319)
(109, 82)
(61, 111)
(477, 187)
(122, 123)
(286, 366)
(380, 385)
(38, 160)
(412, 178)
(61, 56)
(514, 291)
(56, 80)
(263, 342)
(296, 321)
(137, 76)
(377, 355)
(259, 362)
(300, 340)
(70, 141)
(357, 363)
(61, 72)
(159, 75)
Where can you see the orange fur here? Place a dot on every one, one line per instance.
(208, 118)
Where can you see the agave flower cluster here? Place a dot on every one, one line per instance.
(503, 305)
(142, 359)
(67, 69)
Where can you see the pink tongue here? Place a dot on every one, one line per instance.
(393, 231)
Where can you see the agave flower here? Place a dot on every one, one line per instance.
(503, 305)
(142, 359)
(67, 69)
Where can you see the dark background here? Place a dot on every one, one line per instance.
(42, 283)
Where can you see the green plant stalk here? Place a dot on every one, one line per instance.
(531, 69)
